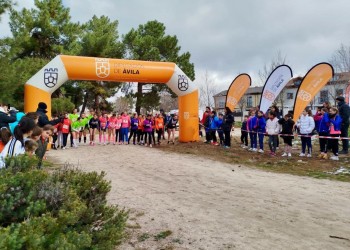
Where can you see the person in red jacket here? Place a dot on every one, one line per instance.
(65, 130)
(206, 115)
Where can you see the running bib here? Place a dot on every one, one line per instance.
(160, 125)
(125, 121)
(65, 126)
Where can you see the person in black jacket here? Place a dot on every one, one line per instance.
(6, 116)
(344, 112)
(227, 124)
(287, 133)
(43, 118)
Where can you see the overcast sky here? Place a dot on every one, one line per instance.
(229, 37)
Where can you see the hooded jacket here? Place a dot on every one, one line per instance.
(344, 110)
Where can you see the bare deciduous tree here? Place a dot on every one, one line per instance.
(341, 59)
(277, 60)
(123, 104)
(167, 102)
(242, 104)
(207, 89)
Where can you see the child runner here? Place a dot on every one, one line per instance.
(94, 125)
(214, 127)
(42, 143)
(134, 127)
(65, 130)
(272, 129)
(112, 122)
(171, 128)
(159, 127)
(84, 120)
(103, 129)
(125, 127)
(334, 131)
(306, 125)
(118, 136)
(153, 129)
(244, 132)
(147, 125)
(140, 132)
(76, 128)
(73, 117)
(287, 133)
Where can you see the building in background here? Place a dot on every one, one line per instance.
(339, 85)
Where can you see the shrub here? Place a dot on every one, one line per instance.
(66, 209)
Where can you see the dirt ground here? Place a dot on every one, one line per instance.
(185, 201)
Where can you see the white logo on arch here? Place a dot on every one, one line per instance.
(102, 67)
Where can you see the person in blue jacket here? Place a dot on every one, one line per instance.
(334, 131)
(261, 124)
(214, 120)
(252, 129)
(220, 130)
(322, 127)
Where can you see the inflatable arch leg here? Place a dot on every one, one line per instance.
(63, 68)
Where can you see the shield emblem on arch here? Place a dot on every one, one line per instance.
(186, 115)
(102, 68)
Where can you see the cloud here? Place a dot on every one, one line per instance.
(228, 37)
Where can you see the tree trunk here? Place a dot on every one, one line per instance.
(97, 106)
(84, 103)
(139, 97)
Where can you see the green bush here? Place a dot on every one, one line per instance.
(66, 209)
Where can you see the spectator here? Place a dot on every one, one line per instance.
(228, 122)
(43, 119)
(6, 116)
(344, 112)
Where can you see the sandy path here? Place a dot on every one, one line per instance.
(206, 205)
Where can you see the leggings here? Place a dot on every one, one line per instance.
(65, 137)
(244, 138)
(261, 141)
(149, 134)
(334, 144)
(139, 135)
(117, 134)
(159, 133)
(133, 134)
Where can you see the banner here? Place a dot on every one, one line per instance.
(315, 79)
(237, 89)
(274, 84)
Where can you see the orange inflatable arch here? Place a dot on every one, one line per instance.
(63, 68)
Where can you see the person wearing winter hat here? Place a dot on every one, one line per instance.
(43, 118)
(344, 113)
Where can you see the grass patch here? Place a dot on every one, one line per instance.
(162, 235)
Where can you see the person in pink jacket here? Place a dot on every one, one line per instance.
(125, 127)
